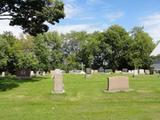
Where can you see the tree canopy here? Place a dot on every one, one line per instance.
(32, 15)
(114, 48)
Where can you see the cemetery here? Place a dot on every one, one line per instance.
(74, 60)
(82, 99)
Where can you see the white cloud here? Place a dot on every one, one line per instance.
(152, 25)
(71, 10)
(5, 27)
(78, 27)
(114, 16)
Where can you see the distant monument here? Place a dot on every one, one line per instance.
(117, 83)
(58, 82)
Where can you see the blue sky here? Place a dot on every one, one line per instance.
(97, 15)
(91, 15)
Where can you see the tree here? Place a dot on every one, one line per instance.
(72, 45)
(24, 54)
(89, 53)
(31, 15)
(16, 54)
(47, 48)
(3, 50)
(141, 48)
(114, 46)
(7, 52)
(54, 43)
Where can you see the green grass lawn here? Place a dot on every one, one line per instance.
(84, 99)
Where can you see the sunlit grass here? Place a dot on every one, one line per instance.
(84, 99)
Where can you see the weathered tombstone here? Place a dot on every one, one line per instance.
(118, 71)
(135, 72)
(95, 71)
(101, 69)
(23, 74)
(58, 82)
(141, 71)
(32, 73)
(125, 70)
(108, 70)
(88, 72)
(92, 71)
(147, 72)
(118, 83)
(130, 71)
(3, 74)
(44, 73)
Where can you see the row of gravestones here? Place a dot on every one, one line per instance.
(26, 74)
(124, 70)
(116, 83)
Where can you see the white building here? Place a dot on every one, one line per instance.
(155, 53)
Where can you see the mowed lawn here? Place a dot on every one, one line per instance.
(84, 99)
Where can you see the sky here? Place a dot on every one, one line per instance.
(98, 15)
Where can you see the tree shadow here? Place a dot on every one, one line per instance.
(8, 83)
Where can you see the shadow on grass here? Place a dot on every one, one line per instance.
(8, 83)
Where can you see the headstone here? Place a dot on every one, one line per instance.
(92, 71)
(75, 72)
(95, 71)
(44, 73)
(58, 82)
(125, 70)
(88, 70)
(108, 70)
(130, 71)
(135, 72)
(147, 72)
(118, 83)
(3, 74)
(118, 71)
(32, 73)
(101, 69)
(141, 71)
(23, 74)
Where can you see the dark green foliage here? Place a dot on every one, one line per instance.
(115, 45)
(141, 48)
(31, 15)
(47, 48)
(112, 49)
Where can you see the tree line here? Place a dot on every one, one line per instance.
(114, 48)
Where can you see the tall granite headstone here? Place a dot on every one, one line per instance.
(58, 82)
